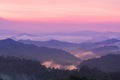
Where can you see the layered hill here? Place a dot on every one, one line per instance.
(9, 47)
(83, 50)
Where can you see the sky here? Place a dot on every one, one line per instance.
(60, 15)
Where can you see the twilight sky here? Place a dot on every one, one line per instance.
(60, 15)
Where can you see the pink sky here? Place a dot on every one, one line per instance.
(60, 9)
(54, 13)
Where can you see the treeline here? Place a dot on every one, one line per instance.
(13, 68)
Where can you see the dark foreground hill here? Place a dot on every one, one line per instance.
(13, 68)
(108, 63)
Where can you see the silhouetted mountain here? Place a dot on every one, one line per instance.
(106, 50)
(51, 43)
(109, 41)
(10, 47)
(82, 50)
(110, 46)
(108, 63)
(106, 47)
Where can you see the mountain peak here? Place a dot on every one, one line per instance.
(53, 40)
(8, 40)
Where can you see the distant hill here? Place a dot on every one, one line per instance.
(51, 43)
(108, 63)
(107, 47)
(83, 50)
(9, 47)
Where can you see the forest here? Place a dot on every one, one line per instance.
(14, 68)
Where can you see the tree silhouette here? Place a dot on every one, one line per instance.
(77, 78)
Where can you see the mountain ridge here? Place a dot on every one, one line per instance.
(87, 49)
(9, 47)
